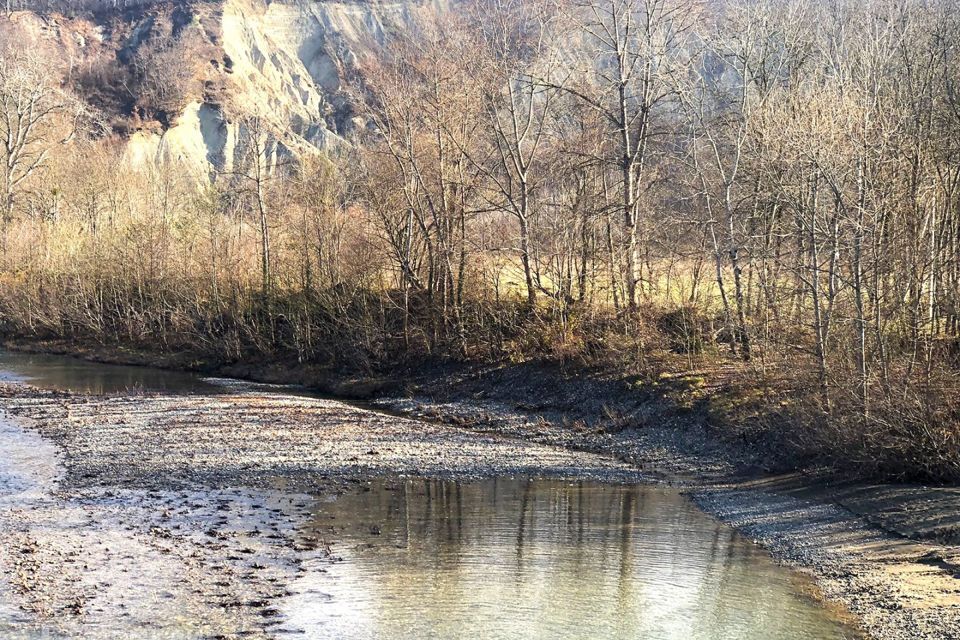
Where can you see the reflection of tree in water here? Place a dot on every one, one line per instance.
(550, 558)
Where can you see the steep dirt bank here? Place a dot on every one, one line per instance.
(299, 66)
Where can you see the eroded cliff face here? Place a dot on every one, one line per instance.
(295, 64)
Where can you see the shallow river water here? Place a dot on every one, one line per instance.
(520, 558)
(81, 376)
(495, 559)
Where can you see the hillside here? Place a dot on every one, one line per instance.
(175, 80)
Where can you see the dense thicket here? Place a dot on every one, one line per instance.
(766, 183)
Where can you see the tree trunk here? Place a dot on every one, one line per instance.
(858, 295)
(264, 241)
(7, 219)
(820, 347)
(525, 246)
(744, 337)
(630, 231)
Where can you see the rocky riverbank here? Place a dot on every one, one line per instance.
(133, 525)
(884, 552)
(887, 553)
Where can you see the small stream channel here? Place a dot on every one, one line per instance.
(500, 558)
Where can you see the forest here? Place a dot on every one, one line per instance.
(758, 194)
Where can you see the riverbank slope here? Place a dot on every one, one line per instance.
(886, 552)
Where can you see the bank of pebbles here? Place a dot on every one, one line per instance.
(177, 515)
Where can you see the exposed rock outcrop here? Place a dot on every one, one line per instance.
(295, 64)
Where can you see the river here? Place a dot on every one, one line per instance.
(504, 557)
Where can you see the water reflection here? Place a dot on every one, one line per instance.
(80, 376)
(512, 558)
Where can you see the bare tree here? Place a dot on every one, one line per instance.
(256, 167)
(29, 105)
(518, 40)
(632, 49)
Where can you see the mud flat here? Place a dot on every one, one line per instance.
(122, 563)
